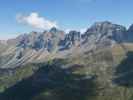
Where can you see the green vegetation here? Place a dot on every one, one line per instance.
(98, 75)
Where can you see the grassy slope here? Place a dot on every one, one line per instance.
(102, 64)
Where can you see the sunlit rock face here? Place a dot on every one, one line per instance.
(37, 45)
(104, 31)
(47, 40)
(129, 34)
(56, 40)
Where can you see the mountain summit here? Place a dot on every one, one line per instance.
(37, 45)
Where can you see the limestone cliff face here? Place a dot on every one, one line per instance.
(37, 45)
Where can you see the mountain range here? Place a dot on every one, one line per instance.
(37, 45)
(48, 62)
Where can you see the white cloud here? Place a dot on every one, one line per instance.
(36, 21)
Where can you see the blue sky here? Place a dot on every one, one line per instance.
(16, 16)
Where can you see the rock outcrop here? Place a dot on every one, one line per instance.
(36, 44)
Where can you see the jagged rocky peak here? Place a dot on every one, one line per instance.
(106, 30)
(74, 37)
(47, 40)
(57, 33)
(129, 34)
(99, 35)
(53, 30)
(105, 27)
(55, 39)
(74, 34)
(130, 28)
(71, 39)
